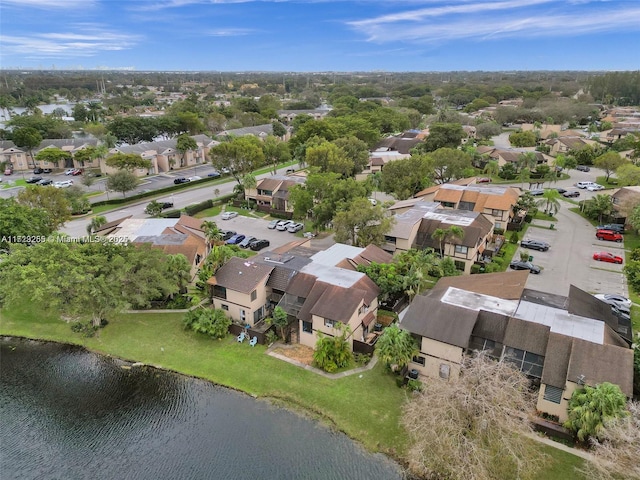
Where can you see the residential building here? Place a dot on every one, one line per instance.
(560, 343)
(271, 194)
(19, 159)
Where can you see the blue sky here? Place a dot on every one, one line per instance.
(321, 35)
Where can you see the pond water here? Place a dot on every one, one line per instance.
(66, 413)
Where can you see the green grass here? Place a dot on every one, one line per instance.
(560, 465)
(209, 212)
(367, 407)
(244, 212)
(544, 216)
(612, 183)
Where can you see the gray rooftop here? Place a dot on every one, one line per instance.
(335, 254)
(340, 277)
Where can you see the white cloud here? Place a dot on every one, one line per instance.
(229, 32)
(86, 41)
(500, 19)
(51, 4)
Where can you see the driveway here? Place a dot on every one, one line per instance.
(256, 227)
(570, 258)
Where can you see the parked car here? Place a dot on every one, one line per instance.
(537, 192)
(609, 235)
(8, 171)
(273, 224)
(229, 215)
(373, 201)
(483, 180)
(213, 174)
(236, 239)
(38, 171)
(561, 190)
(622, 315)
(535, 245)
(583, 168)
(289, 170)
(69, 171)
(520, 265)
(46, 170)
(259, 244)
(45, 181)
(166, 205)
(180, 180)
(571, 194)
(63, 184)
(607, 257)
(283, 224)
(616, 227)
(595, 187)
(308, 234)
(194, 178)
(584, 184)
(623, 303)
(294, 227)
(227, 234)
(33, 179)
(247, 240)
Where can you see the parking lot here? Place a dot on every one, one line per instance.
(256, 227)
(570, 258)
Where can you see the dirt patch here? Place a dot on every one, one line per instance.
(299, 353)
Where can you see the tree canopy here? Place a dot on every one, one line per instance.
(52, 200)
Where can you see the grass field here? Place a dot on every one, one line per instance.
(367, 406)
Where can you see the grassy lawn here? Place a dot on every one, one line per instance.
(245, 212)
(209, 212)
(612, 183)
(545, 216)
(366, 406)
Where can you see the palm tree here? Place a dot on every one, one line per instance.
(249, 182)
(179, 269)
(454, 232)
(600, 205)
(396, 347)
(96, 223)
(550, 201)
(439, 234)
(492, 168)
(212, 233)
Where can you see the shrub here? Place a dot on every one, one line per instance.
(85, 328)
(271, 337)
(361, 359)
(415, 385)
(212, 322)
(332, 353)
(475, 268)
(514, 238)
(198, 207)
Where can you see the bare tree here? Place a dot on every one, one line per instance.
(475, 427)
(616, 455)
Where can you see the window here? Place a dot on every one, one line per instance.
(448, 204)
(224, 307)
(329, 323)
(257, 315)
(459, 265)
(461, 249)
(528, 363)
(496, 213)
(389, 239)
(498, 225)
(243, 315)
(481, 344)
(307, 327)
(552, 394)
(419, 360)
(444, 371)
(254, 295)
(219, 292)
(363, 309)
(466, 206)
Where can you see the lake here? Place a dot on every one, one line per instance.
(71, 414)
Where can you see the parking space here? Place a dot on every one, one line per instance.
(570, 258)
(256, 227)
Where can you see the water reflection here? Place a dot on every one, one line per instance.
(70, 414)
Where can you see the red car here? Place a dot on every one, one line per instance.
(607, 257)
(483, 180)
(609, 235)
(76, 172)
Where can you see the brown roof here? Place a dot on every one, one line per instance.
(446, 323)
(191, 222)
(491, 326)
(338, 303)
(241, 275)
(427, 191)
(111, 225)
(376, 162)
(300, 285)
(448, 195)
(529, 336)
(270, 184)
(287, 247)
(556, 360)
(507, 285)
(371, 254)
(312, 297)
(477, 229)
(601, 363)
(368, 318)
(368, 286)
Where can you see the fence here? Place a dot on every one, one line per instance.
(236, 329)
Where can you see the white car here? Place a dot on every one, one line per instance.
(585, 184)
(194, 178)
(294, 227)
(595, 187)
(229, 215)
(63, 184)
(283, 225)
(616, 300)
(373, 201)
(70, 171)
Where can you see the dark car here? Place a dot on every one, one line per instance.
(214, 174)
(537, 192)
(236, 239)
(247, 241)
(609, 235)
(615, 227)
(45, 181)
(571, 194)
(33, 179)
(227, 234)
(37, 171)
(583, 168)
(166, 205)
(180, 180)
(561, 191)
(519, 265)
(535, 245)
(259, 244)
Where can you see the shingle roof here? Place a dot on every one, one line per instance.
(475, 226)
(602, 363)
(337, 303)
(556, 361)
(491, 326)
(300, 285)
(430, 318)
(241, 275)
(529, 336)
(507, 285)
(280, 278)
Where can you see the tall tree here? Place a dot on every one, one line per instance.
(329, 158)
(184, 144)
(29, 138)
(95, 224)
(19, 220)
(550, 201)
(361, 224)
(51, 200)
(275, 152)
(457, 429)
(443, 135)
(449, 164)
(249, 182)
(122, 181)
(52, 155)
(241, 155)
(128, 161)
(609, 162)
(406, 177)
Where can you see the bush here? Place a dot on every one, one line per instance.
(361, 359)
(415, 385)
(271, 337)
(172, 214)
(212, 322)
(85, 328)
(514, 238)
(475, 268)
(198, 207)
